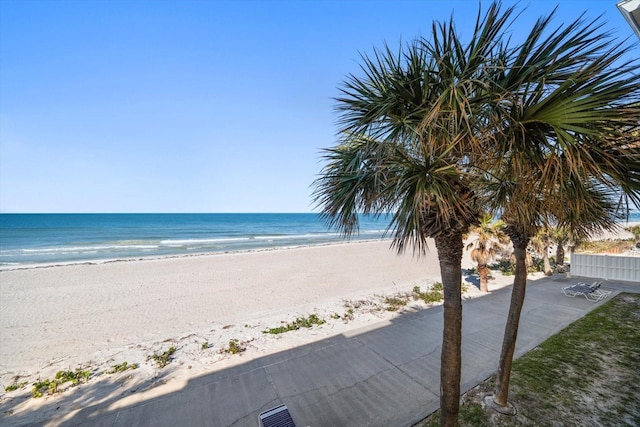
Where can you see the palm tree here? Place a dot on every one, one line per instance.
(489, 240)
(411, 134)
(565, 106)
(540, 244)
(561, 237)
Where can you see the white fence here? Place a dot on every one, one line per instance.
(608, 267)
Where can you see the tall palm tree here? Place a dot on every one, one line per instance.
(566, 105)
(411, 133)
(489, 240)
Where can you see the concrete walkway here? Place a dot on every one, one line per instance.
(384, 375)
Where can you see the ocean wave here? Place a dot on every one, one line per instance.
(130, 249)
(247, 238)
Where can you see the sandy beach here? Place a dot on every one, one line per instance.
(95, 316)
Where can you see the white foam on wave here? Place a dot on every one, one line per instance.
(81, 249)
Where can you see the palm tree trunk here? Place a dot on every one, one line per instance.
(560, 254)
(501, 395)
(483, 273)
(547, 264)
(450, 247)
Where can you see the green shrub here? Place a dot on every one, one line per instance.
(51, 386)
(14, 386)
(300, 322)
(434, 294)
(163, 359)
(235, 347)
(394, 303)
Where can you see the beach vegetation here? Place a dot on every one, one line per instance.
(434, 294)
(50, 386)
(603, 246)
(121, 367)
(396, 302)
(504, 266)
(587, 373)
(347, 315)
(15, 386)
(489, 241)
(44, 386)
(205, 345)
(234, 347)
(635, 230)
(300, 322)
(164, 358)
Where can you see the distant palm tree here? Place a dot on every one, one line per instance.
(540, 243)
(561, 237)
(411, 134)
(489, 240)
(567, 106)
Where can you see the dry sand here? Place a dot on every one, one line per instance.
(71, 312)
(94, 316)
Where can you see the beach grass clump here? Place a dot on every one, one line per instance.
(300, 322)
(14, 386)
(205, 345)
(434, 294)
(121, 367)
(346, 316)
(163, 359)
(396, 302)
(50, 386)
(234, 347)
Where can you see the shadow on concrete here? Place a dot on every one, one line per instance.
(381, 375)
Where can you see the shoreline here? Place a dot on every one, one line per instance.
(14, 267)
(618, 233)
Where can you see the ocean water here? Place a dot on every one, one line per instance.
(28, 239)
(45, 239)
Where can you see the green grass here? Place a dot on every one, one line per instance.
(300, 322)
(585, 375)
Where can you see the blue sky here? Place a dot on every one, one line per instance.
(192, 106)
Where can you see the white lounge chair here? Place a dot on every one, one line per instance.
(591, 292)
